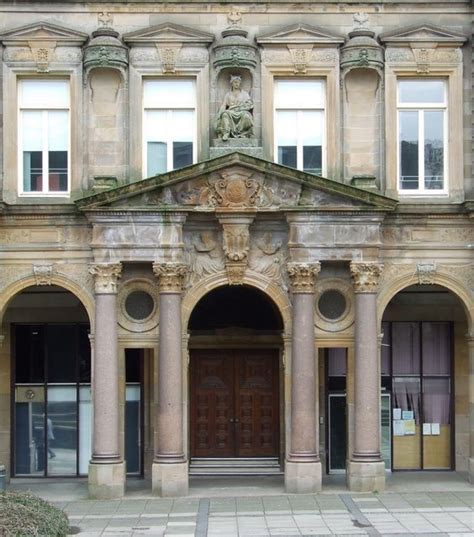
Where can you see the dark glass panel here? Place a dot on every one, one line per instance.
(133, 364)
(434, 149)
(62, 345)
(57, 171)
(84, 356)
(436, 338)
(312, 159)
(182, 154)
(32, 171)
(409, 150)
(287, 155)
(406, 348)
(29, 353)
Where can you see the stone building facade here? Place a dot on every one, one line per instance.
(236, 238)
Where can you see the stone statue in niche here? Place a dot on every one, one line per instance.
(234, 119)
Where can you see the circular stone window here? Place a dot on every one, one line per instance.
(139, 305)
(332, 304)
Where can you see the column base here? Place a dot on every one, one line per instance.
(170, 479)
(303, 477)
(470, 470)
(106, 481)
(365, 476)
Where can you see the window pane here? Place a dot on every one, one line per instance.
(61, 360)
(437, 420)
(409, 150)
(434, 149)
(156, 158)
(182, 126)
(436, 339)
(32, 131)
(312, 159)
(286, 129)
(421, 91)
(44, 93)
(169, 93)
(406, 348)
(406, 431)
(436, 400)
(57, 171)
(29, 353)
(58, 130)
(299, 94)
(32, 171)
(182, 154)
(287, 156)
(85, 428)
(29, 431)
(155, 125)
(61, 431)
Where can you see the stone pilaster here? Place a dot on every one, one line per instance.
(470, 342)
(170, 466)
(106, 469)
(303, 467)
(366, 471)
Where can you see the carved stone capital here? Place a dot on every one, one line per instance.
(106, 277)
(303, 276)
(43, 274)
(171, 276)
(366, 276)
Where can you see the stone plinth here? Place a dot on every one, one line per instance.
(303, 478)
(366, 476)
(249, 146)
(106, 481)
(170, 480)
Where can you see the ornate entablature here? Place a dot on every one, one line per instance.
(172, 46)
(42, 46)
(423, 48)
(299, 47)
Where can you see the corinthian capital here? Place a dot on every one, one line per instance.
(303, 276)
(170, 276)
(366, 276)
(106, 276)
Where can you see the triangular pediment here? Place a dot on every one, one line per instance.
(425, 33)
(299, 34)
(168, 33)
(236, 182)
(44, 32)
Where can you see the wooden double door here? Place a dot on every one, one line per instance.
(234, 403)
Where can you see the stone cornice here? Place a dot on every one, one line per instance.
(303, 276)
(106, 276)
(366, 276)
(171, 276)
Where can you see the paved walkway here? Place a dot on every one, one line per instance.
(265, 511)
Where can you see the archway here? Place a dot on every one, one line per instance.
(47, 354)
(235, 381)
(424, 364)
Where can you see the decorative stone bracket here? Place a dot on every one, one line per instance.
(236, 245)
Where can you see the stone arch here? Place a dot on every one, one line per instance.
(270, 289)
(451, 284)
(86, 299)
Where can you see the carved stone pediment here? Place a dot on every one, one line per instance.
(166, 34)
(43, 32)
(298, 34)
(423, 35)
(237, 183)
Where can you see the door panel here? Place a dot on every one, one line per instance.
(212, 402)
(234, 403)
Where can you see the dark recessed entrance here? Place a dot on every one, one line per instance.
(235, 375)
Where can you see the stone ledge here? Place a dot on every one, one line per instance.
(220, 151)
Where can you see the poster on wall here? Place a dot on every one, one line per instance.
(435, 429)
(397, 413)
(426, 429)
(409, 427)
(398, 428)
(408, 415)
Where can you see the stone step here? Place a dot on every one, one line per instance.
(234, 466)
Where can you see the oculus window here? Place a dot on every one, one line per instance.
(300, 124)
(169, 125)
(44, 136)
(422, 136)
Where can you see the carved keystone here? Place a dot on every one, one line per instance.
(170, 276)
(106, 277)
(303, 276)
(366, 276)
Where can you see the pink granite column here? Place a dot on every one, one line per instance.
(170, 467)
(106, 469)
(366, 471)
(303, 467)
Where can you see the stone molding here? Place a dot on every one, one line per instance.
(171, 276)
(366, 276)
(303, 276)
(106, 276)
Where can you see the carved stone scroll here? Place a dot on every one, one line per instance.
(171, 276)
(366, 276)
(106, 276)
(303, 276)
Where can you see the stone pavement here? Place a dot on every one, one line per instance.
(265, 511)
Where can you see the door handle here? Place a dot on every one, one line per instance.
(236, 420)
(231, 420)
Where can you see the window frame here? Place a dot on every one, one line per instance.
(170, 110)
(45, 192)
(421, 108)
(299, 110)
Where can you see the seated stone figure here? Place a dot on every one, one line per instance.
(234, 119)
